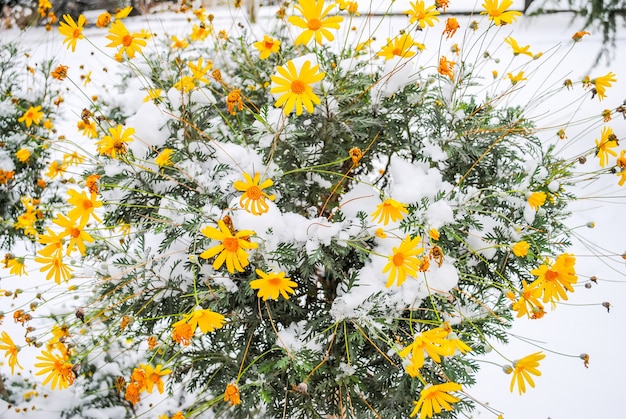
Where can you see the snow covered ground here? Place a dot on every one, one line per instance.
(566, 389)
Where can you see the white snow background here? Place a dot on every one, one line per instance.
(566, 389)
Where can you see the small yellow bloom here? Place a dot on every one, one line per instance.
(400, 46)
(522, 370)
(231, 394)
(452, 25)
(404, 261)
(421, 14)
(578, 36)
(23, 154)
(122, 13)
(59, 371)
(232, 249)
(294, 87)
(557, 278)
(537, 199)
(517, 50)
(153, 94)
(605, 146)
(152, 377)
(498, 13)
(380, 233)
(7, 345)
(273, 284)
(517, 78)
(602, 83)
(59, 73)
(520, 249)
(32, 116)
(103, 20)
(267, 46)
(435, 398)
(128, 43)
(253, 198)
(315, 21)
(389, 210)
(115, 144)
(72, 30)
(179, 43)
(446, 67)
(164, 158)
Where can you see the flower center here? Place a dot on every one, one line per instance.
(127, 40)
(298, 87)
(253, 192)
(76, 33)
(74, 232)
(87, 205)
(231, 244)
(314, 24)
(398, 259)
(551, 275)
(269, 45)
(397, 51)
(274, 281)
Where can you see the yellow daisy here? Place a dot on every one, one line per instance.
(434, 398)
(389, 210)
(421, 14)
(498, 13)
(72, 30)
(267, 46)
(270, 285)
(253, 198)
(232, 248)
(314, 21)
(404, 261)
(294, 87)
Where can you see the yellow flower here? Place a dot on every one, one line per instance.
(421, 14)
(89, 129)
(84, 206)
(270, 285)
(522, 370)
(16, 266)
(554, 280)
(179, 43)
(103, 20)
(153, 94)
(434, 398)
(73, 158)
(605, 146)
(231, 394)
(537, 199)
(295, 87)
(23, 154)
(528, 303)
(206, 320)
(400, 46)
(498, 13)
(199, 33)
(432, 342)
(389, 209)
(58, 369)
(128, 43)
(434, 234)
(55, 267)
(253, 198)
(267, 46)
(520, 249)
(32, 116)
(517, 78)
(199, 70)
(71, 30)
(182, 332)
(153, 377)
(602, 82)
(403, 261)
(315, 22)
(578, 36)
(59, 73)
(115, 144)
(77, 235)
(452, 25)
(7, 345)
(164, 157)
(122, 13)
(234, 102)
(517, 50)
(232, 250)
(381, 233)
(52, 241)
(446, 67)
